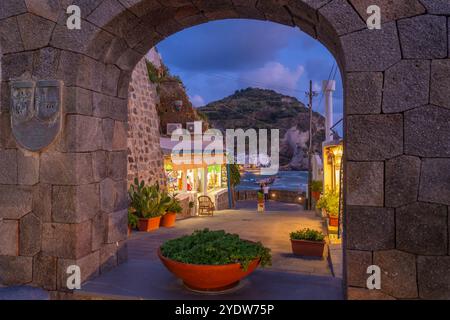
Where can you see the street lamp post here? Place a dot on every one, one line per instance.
(311, 94)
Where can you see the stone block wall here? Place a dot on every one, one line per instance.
(397, 152)
(145, 159)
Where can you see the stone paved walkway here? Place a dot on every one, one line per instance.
(290, 277)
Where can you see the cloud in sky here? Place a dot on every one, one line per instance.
(317, 87)
(197, 100)
(226, 45)
(217, 58)
(273, 75)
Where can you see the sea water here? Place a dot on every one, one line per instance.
(284, 180)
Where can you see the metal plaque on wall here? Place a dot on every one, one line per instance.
(36, 112)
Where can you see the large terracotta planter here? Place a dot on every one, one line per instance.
(168, 220)
(333, 221)
(208, 277)
(308, 248)
(149, 225)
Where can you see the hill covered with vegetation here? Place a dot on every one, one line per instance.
(267, 109)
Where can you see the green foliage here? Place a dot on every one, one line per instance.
(235, 174)
(317, 186)
(153, 73)
(215, 248)
(330, 202)
(148, 201)
(202, 116)
(260, 195)
(174, 205)
(157, 76)
(307, 234)
(191, 204)
(132, 219)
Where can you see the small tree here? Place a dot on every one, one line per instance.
(235, 179)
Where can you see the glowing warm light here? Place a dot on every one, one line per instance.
(273, 195)
(337, 151)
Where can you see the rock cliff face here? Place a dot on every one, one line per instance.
(267, 109)
(173, 104)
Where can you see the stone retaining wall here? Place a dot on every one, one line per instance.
(275, 195)
(145, 159)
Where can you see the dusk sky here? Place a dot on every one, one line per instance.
(217, 58)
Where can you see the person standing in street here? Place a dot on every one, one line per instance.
(266, 192)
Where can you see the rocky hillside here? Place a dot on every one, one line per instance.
(267, 109)
(174, 105)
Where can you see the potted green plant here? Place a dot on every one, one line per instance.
(132, 221)
(321, 204)
(316, 189)
(307, 242)
(174, 207)
(149, 203)
(261, 202)
(333, 208)
(329, 202)
(212, 260)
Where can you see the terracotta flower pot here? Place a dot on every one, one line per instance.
(208, 277)
(129, 230)
(148, 225)
(168, 220)
(333, 221)
(315, 195)
(308, 248)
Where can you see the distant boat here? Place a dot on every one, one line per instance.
(269, 180)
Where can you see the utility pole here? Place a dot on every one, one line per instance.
(311, 94)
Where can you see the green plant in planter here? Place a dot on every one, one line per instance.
(132, 219)
(330, 202)
(260, 195)
(148, 201)
(139, 195)
(333, 204)
(159, 201)
(317, 186)
(308, 235)
(191, 204)
(215, 248)
(174, 205)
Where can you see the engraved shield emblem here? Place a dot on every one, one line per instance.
(48, 95)
(36, 112)
(22, 96)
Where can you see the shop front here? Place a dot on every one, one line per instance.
(191, 180)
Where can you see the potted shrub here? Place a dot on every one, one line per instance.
(321, 204)
(307, 242)
(174, 207)
(212, 260)
(149, 203)
(316, 189)
(333, 208)
(329, 202)
(132, 221)
(261, 202)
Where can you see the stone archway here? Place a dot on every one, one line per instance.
(397, 87)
